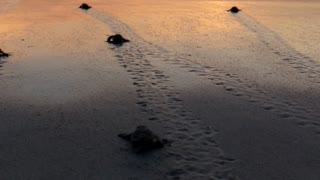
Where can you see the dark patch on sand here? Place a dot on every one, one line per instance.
(143, 140)
(234, 9)
(85, 6)
(4, 54)
(117, 39)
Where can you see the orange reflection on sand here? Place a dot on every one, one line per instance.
(175, 20)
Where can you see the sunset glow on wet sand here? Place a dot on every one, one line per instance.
(156, 90)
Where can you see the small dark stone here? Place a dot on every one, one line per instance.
(153, 118)
(3, 54)
(234, 9)
(85, 6)
(143, 140)
(117, 39)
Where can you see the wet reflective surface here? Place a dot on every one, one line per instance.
(236, 93)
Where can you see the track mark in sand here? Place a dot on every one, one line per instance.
(302, 63)
(284, 108)
(232, 83)
(2, 61)
(194, 149)
(8, 6)
(155, 101)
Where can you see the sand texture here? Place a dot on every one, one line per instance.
(237, 95)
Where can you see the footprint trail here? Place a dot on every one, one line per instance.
(243, 88)
(284, 107)
(161, 103)
(300, 62)
(194, 149)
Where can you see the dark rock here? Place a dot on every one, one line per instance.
(3, 54)
(117, 39)
(143, 139)
(234, 9)
(85, 6)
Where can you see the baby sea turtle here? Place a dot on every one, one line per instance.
(3, 54)
(117, 39)
(143, 139)
(234, 9)
(85, 6)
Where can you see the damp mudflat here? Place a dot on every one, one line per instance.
(236, 94)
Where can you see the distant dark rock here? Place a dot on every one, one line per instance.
(234, 9)
(143, 140)
(117, 39)
(85, 6)
(3, 54)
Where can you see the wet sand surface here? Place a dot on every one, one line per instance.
(233, 109)
(64, 99)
